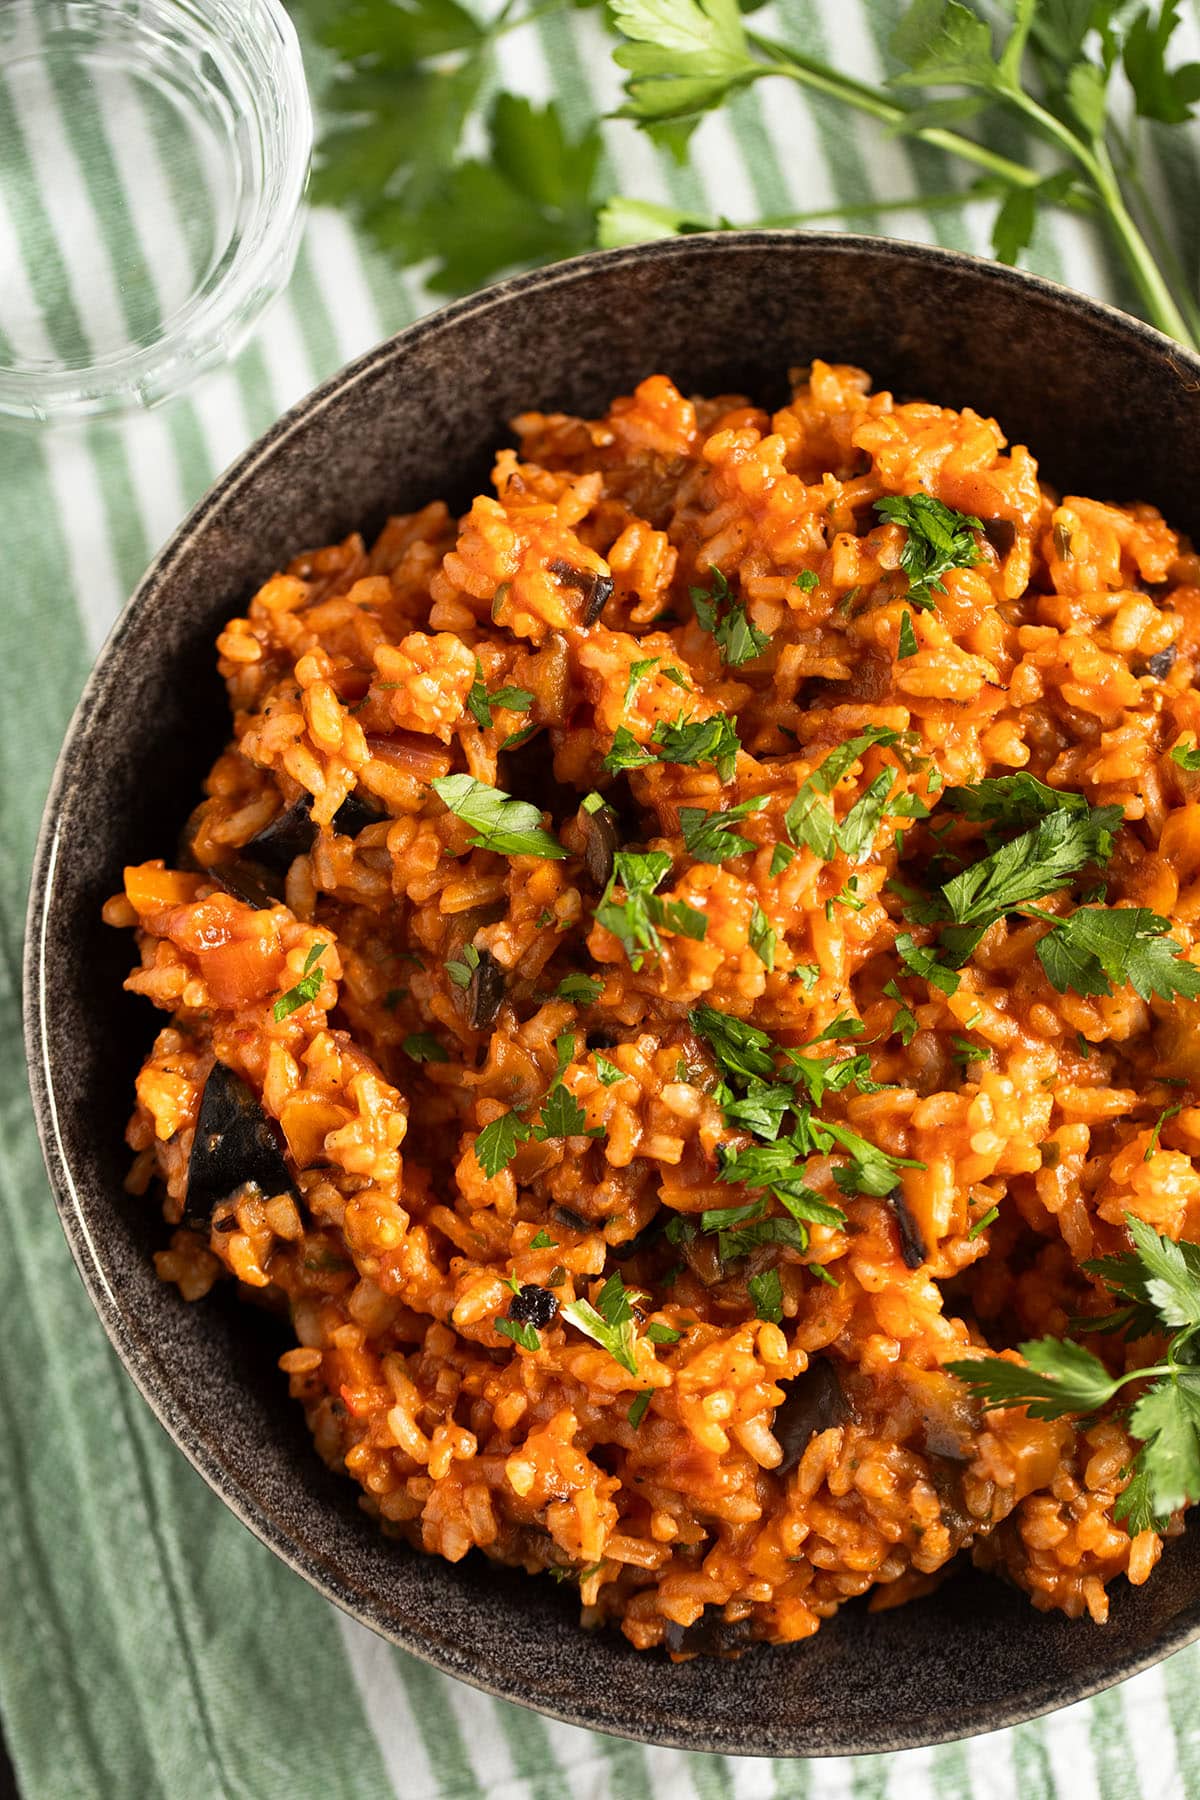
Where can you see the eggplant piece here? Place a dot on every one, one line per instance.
(533, 1305)
(1001, 534)
(596, 589)
(813, 1402)
(290, 834)
(712, 1634)
(638, 1242)
(485, 992)
(912, 1245)
(355, 814)
(252, 883)
(601, 841)
(235, 1144)
(1162, 662)
(563, 1215)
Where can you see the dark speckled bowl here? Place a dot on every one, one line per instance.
(1111, 409)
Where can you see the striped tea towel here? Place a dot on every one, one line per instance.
(149, 1646)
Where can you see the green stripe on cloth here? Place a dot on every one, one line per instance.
(149, 1646)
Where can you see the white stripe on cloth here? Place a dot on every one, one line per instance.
(386, 1707)
(338, 272)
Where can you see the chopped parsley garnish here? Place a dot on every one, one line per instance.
(520, 1332)
(583, 989)
(480, 702)
(626, 752)
(938, 539)
(708, 835)
(509, 827)
(809, 821)
(966, 1053)
(1097, 947)
(662, 1334)
(306, 989)
(637, 1410)
(781, 858)
(904, 1019)
(924, 962)
(763, 937)
(1157, 1287)
(726, 619)
(424, 1048)
(1168, 1112)
(461, 968)
(907, 644)
(856, 833)
(1187, 756)
(543, 1241)
(1032, 865)
(609, 1323)
(563, 1117)
(741, 1049)
(766, 1296)
(713, 740)
(497, 1143)
(636, 672)
(607, 1071)
(634, 921)
(807, 579)
(1019, 799)
(981, 1224)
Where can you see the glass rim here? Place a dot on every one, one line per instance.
(209, 327)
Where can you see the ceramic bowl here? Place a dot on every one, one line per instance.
(1109, 407)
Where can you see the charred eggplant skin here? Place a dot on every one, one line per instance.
(485, 994)
(236, 1144)
(814, 1401)
(292, 833)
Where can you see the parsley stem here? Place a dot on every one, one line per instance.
(823, 80)
(1096, 163)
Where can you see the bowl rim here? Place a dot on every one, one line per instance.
(589, 1712)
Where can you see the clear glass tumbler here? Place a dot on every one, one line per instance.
(153, 160)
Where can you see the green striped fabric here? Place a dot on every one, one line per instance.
(148, 1645)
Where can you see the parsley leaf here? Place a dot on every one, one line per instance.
(609, 1323)
(562, 1117)
(424, 1048)
(543, 1241)
(521, 1333)
(938, 538)
(634, 920)
(1019, 799)
(683, 55)
(480, 702)
(306, 989)
(713, 740)
(904, 1019)
(740, 1048)
(781, 858)
(809, 822)
(584, 990)
(856, 833)
(708, 835)
(1096, 947)
(497, 1143)
(509, 827)
(460, 970)
(1187, 756)
(766, 1295)
(924, 962)
(763, 937)
(638, 1408)
(725, 618)
(1160, 1281)
(1032, 865)
(636, 672)
(607, 1071)
(626, 752)
(906, 645)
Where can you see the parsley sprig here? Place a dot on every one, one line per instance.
(609, 1323)
(1157, 1284)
